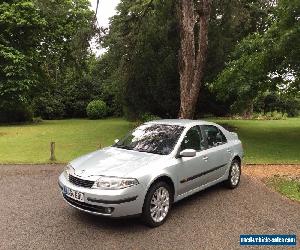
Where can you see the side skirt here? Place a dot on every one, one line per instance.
(195, 190)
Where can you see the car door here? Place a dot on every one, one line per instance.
(190, 168)
(217, 154)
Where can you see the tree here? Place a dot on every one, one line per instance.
(264, 61)
(194, 20)
(142, 58)
(21, 27)
(142, 45)
(44, 55)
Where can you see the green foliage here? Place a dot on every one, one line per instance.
(272, 101)
(37, 120)
(147, 117)
(15, 113)
(275, 115)
(142, 62)
(42, 43)
(46, 67)
(263, 60)
(96, 109)
(141, 65)
(21, 26)
(105, 82)
(48, 107)
(230, 22)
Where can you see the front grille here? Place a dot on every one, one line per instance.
(87, 206)
(80, 182)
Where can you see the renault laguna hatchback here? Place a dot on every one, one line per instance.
(153, 166)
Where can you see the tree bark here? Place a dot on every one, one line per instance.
(248, 112)
(192, 55)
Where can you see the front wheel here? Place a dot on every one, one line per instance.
(157, 204)
(234, 174)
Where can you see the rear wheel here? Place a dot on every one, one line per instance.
(234, 174)
(157, 204)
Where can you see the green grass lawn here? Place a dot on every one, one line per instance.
(288, 187)
(75, 137)
(263, 141)
(268, 141)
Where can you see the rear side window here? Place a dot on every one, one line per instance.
(214, 135)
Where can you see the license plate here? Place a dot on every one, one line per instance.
(74, 194)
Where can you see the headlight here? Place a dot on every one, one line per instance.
(68, 170)
(106, 182)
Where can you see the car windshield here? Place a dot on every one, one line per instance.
(152, 138)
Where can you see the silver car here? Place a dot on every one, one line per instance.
(153, 166)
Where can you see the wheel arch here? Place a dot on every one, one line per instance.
(165, 178)
(237, 158)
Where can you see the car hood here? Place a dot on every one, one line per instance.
(112, 161)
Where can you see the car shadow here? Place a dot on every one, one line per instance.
(125, 224)
(135, 223)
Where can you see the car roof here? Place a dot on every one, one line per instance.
(180, 122)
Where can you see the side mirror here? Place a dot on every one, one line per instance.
(116, 140)
(188, 153)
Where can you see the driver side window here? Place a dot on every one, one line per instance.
(192, 140)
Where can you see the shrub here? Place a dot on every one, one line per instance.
(96, 109)
(75, 107)
(275, 115)
(146, 117)
(37, 120)
(49, 107)
(14, 113)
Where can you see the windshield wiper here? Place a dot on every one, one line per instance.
(150, 152)
(123, 147)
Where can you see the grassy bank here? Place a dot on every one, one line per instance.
(263, 141)
(287, 187)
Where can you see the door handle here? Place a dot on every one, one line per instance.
(205, 158)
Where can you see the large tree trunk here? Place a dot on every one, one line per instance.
(194, 20)
(248, 112)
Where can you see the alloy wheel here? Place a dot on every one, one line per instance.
(235, 174)
(160, 204)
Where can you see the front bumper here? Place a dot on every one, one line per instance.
(111, 203)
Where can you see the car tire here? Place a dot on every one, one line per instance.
(234, 175)
(160, 194)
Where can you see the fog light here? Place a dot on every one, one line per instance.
(109, 210)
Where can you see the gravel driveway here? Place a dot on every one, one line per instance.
(34, 216)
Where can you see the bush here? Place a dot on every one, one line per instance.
(96, 109)
(76, 108)
(37, 120)
(146, 117)
(14, 113)
(49, 107)
(275, 115)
